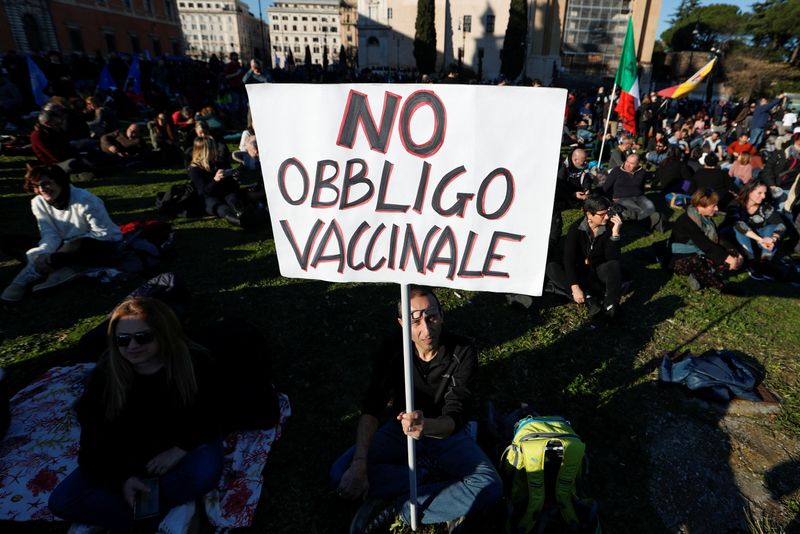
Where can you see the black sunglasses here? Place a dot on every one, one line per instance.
(142, 338)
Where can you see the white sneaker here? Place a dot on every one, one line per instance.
(56, 278)
(178, 520)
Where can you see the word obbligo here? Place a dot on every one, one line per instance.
(341, 186)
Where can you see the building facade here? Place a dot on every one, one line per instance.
(316, 24)
(221, 27)
(91, 26)
(576, 36)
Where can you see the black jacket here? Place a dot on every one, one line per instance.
(623, 184)
(582, 249)
(685, 230)
(571, 180)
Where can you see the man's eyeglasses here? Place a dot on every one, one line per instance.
(431, 315)
(142, 338)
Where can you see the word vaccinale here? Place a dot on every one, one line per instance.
(350, 185)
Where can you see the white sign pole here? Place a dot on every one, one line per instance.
(605, 128)
(408, 371)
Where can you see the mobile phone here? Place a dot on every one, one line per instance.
(145, 504)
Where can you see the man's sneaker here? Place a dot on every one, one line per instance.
(14, 293)
(595, 308)
(693, 283)
(179, 520)
(611, 311)
(374, 515)
(56, 278)
(757, 275)
(453, 526)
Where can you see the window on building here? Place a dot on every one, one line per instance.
(287, 49)
(182, 4)
(296, 39)
(135, 46)
(75, 39)
(202, 26)
(323, 19)
(297, 49)
(316, 39)
(111, 41)
(304, 18)
(313, 19)
(294, 28)
(194, 26)
(156, 46)
(286, 27)
(489, 23)
(176, 47)
(349, 38)
(294, 19)
(276, 27)
(191, 4)
(389, 13)
(128, 5)
(168, 9)
(101, 3)
(468, 23)
(148, 7)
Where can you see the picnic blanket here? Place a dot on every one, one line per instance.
(41, 449)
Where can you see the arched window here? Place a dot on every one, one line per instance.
(32, 33)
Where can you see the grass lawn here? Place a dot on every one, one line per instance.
(322, 335)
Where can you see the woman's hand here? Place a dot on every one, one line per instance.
(733, 262)
(130, 487)
(219, 175)
(577, 294)
(165, 461)
(767, 242)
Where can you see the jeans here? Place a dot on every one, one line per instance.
(465, 481)
(756, 136)
(79, 500)
(747, 244)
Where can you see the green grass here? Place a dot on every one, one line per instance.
(322, 334)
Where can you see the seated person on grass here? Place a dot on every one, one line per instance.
(696, 247)
(625, 185)
(445, 366)
(127, 145)
(591, 272)
(218, 187)
(75, 231)
(149, 423)
(754, 223)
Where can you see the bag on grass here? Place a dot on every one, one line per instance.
(542, 468)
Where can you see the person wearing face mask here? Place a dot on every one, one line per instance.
(697, 250)
(75, 231)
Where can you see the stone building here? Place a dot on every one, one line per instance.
(564, 36)
(318, 24)
(90, 26)
(221, 27)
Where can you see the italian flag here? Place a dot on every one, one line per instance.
(628, 82)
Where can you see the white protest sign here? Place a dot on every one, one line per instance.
(441, 185)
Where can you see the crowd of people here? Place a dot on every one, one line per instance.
(740, 158)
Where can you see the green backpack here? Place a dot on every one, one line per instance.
(541, 467)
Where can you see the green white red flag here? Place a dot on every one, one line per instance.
(628, 82)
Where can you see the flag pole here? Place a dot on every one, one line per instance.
(408, 366)
(605, 127)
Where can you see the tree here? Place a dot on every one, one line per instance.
(683, 10)
(342, 56)
(425, 36)
(513, 55)
(307, 59)
(325, 58)
(774, 26)
(704, 26)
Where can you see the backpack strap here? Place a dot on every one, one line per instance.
(567, 474)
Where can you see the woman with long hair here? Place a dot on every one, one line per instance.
(697, 250)
(742, 170)
(757, 228)
(149, 428)
(218, 187)
(75, 231)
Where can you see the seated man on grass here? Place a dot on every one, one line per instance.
(590, 272)
(456, 479)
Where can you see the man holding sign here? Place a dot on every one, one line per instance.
(444, 370)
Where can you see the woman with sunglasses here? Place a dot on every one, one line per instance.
(148, 423)
(75, 231)
(697, 251)
(757, 227)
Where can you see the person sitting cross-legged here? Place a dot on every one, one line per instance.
(625, 184)
(696, 247)
(445, 366)
(591, 270)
